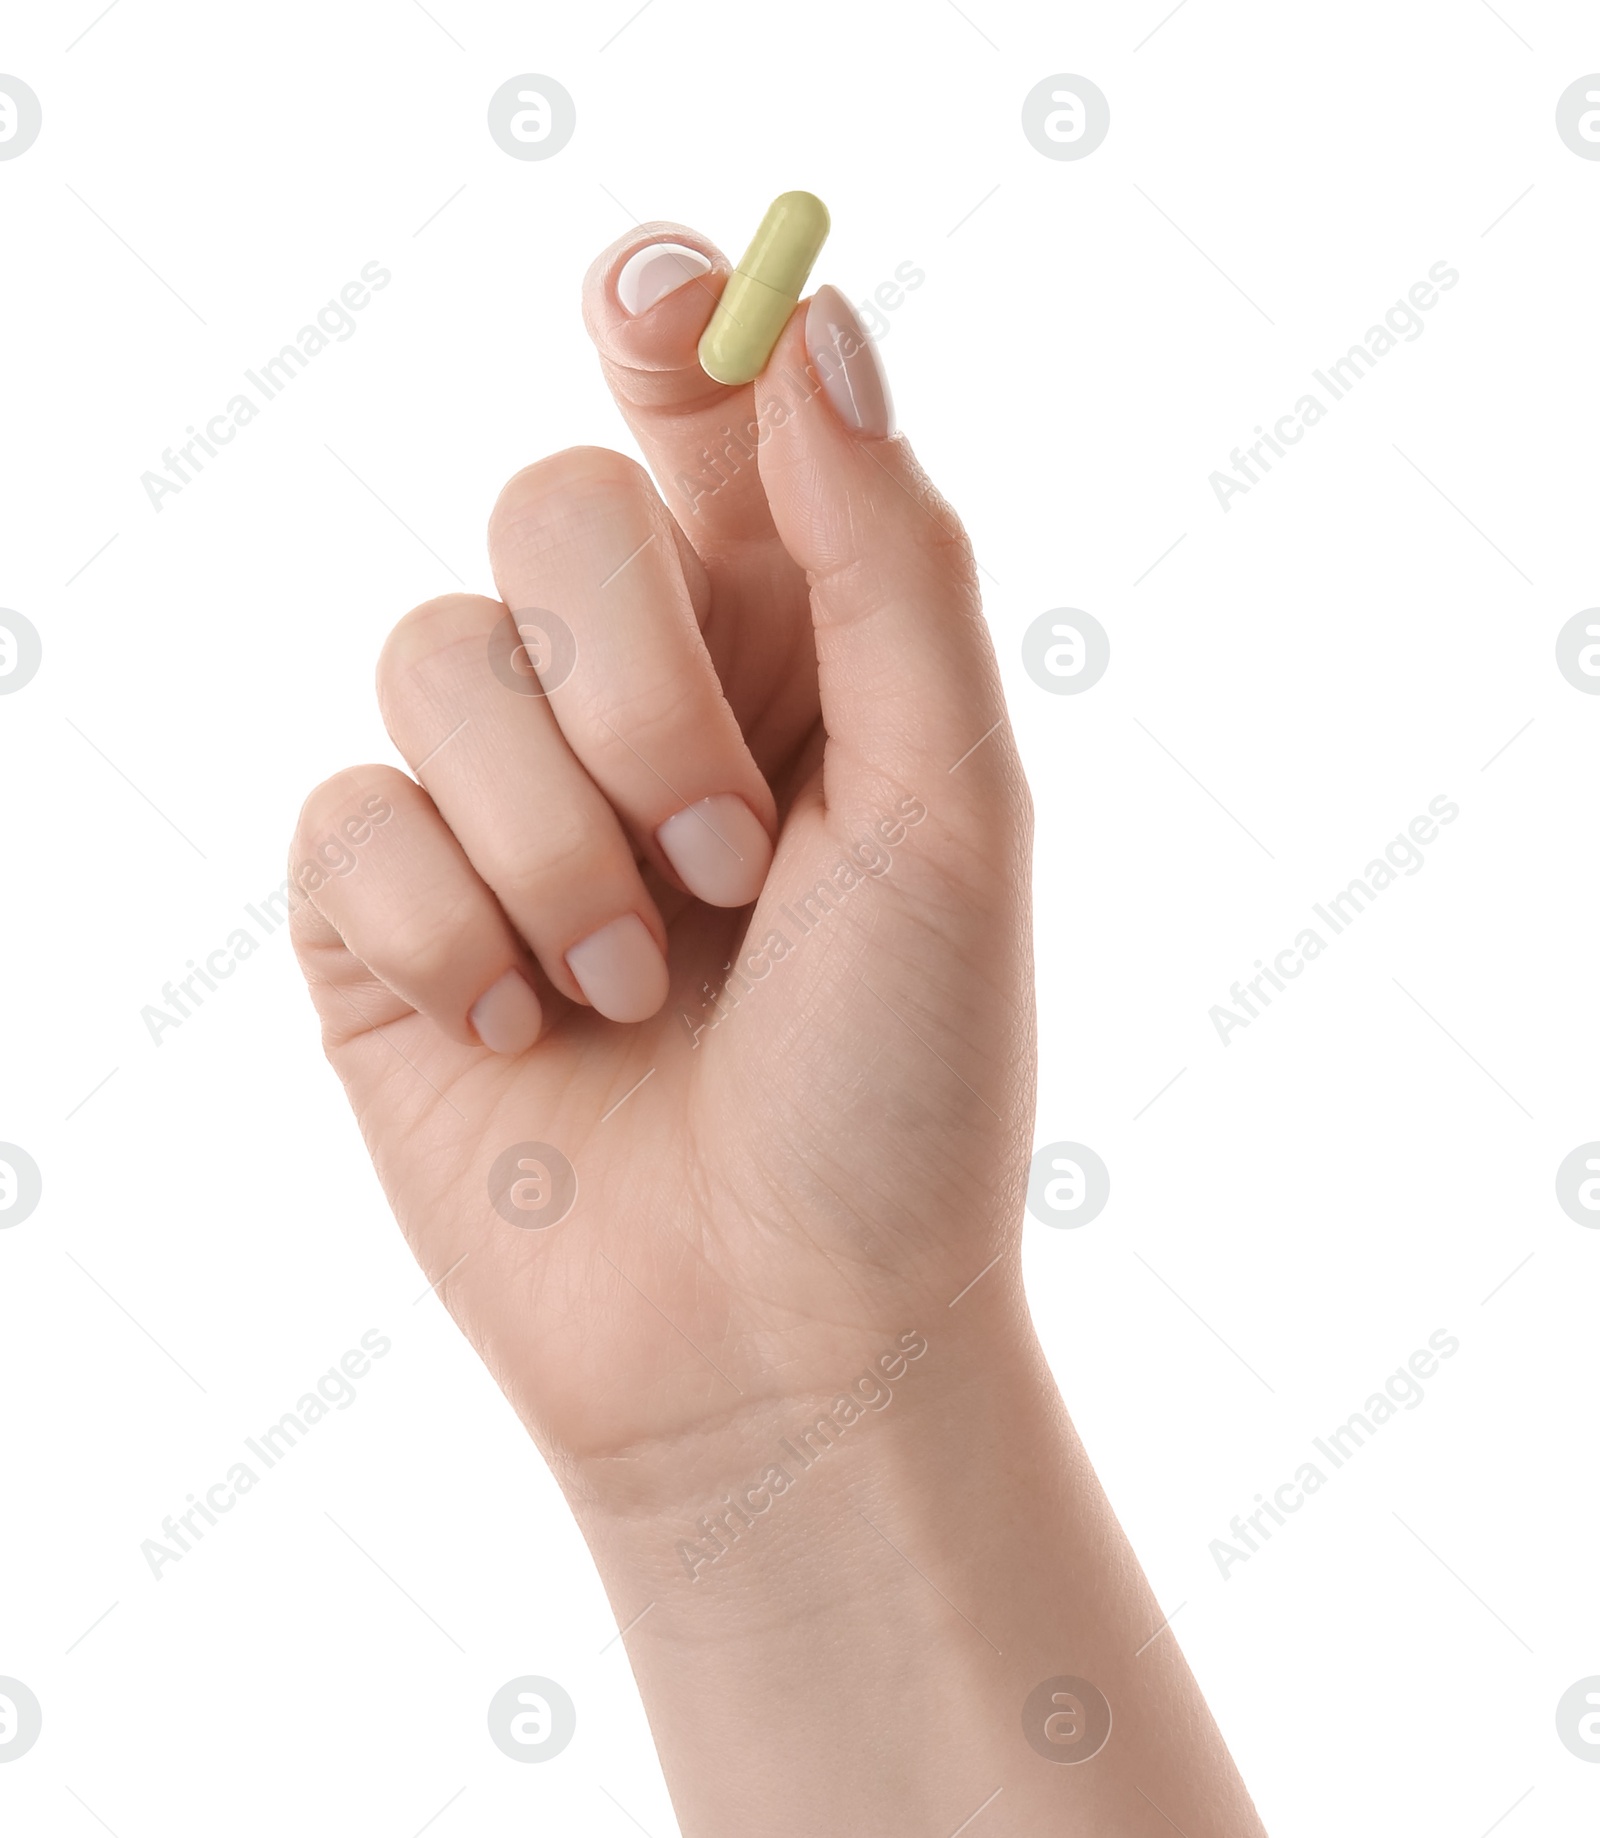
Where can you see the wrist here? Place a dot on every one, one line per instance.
(927, 1569)
(762, 1499)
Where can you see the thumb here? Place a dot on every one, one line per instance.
(911, 696)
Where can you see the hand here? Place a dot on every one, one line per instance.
(799, 1127)
(831, 1136)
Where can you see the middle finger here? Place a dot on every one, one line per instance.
(584, 539)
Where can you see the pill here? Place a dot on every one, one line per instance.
(763, 290)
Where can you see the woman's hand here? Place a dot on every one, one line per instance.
(685, 1002)
(829, 1136)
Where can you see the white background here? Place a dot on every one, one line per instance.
(1364, 631)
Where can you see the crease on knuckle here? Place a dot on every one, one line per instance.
(430, 632)
(526, 878)
(549, 502)
(325, 807)
(631, 735)
(422, 949)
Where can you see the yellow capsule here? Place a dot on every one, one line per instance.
(762, 291)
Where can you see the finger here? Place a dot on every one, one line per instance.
(378, 863)
(910, 689)
(699, 438)
(584, 535)
(646, 300)
(531, 822)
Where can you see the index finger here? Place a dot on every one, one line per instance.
(646, 300)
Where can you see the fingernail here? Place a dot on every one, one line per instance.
(507, 1016)
(656, 270)
(719, 849)
(621, 970)
(847, 360)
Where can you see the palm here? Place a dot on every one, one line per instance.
(734, 1219)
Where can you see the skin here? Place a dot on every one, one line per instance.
(838, 1163)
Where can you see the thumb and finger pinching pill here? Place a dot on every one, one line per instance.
(764, 289)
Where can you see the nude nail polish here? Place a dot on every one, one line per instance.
(656, 270)
(848, 363)
(621, 970)
(719, 848)
(507, 1016)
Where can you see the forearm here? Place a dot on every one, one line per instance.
(842, 1634)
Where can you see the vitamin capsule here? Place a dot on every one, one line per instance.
(763, 290)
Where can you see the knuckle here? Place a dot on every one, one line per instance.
(353, 794)
(429, 630)
(568, 488)
(422, 947)
(944, 538)
(953, 544)
(1024, 808)
(648, 726)
(563, 855)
